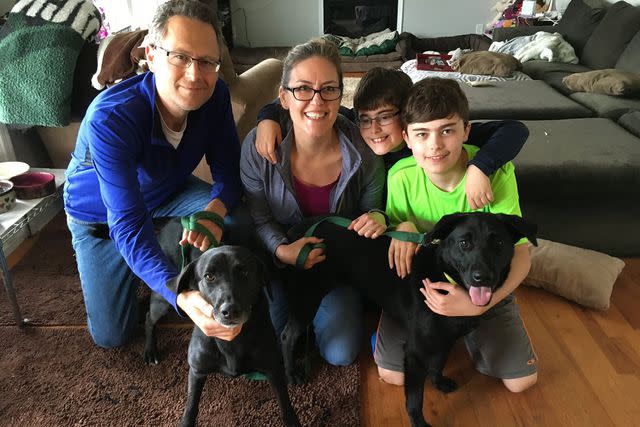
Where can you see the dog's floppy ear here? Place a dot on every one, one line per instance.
(444, 227)
(185, 280)
(520, 228)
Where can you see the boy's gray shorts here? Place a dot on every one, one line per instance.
(500, 347)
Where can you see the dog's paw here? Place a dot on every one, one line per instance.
(297, 377)
(151, 357)
(445, 384)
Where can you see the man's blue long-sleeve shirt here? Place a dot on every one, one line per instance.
(123, 166)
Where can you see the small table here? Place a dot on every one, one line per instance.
(24, 220)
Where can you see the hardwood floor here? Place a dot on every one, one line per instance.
(589, 371)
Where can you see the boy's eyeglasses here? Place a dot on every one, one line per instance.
(383, 119)
(182, 60)
(306, 93)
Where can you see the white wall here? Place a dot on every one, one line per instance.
(436, 18)
(288, 22)
(285, 22)
(274, 22)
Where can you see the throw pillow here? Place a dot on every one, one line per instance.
(578, 22)
(608, 82)
(488, 64)
(580, 275)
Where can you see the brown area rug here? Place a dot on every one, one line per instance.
(55, 375)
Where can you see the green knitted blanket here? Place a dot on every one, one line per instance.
(39, 46)
(372, 44)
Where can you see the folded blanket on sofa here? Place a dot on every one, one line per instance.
(120, 56)
(550, 47)
(373, 44)
(39, 46)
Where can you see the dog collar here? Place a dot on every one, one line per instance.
(449, 278)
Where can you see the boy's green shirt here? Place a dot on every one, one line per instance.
(411, 196)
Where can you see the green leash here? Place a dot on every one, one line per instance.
(191, 223)
(405, 236)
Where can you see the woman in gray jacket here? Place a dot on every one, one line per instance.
(324, 168)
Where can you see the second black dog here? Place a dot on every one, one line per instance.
(474, 249)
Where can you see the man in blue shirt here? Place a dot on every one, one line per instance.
(137, 147)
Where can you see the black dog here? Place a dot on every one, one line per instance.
(231, 279)
(474, 249)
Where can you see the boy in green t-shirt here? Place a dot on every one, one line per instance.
(422, 189)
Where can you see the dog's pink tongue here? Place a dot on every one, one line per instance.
(480, 295)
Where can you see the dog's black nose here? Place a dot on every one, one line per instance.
(478, 276)
(229, 310)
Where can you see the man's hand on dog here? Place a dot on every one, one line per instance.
(287, 254)
(401, 253)
(477, 188)
(201, 312)
(369, 225)
(455, 302)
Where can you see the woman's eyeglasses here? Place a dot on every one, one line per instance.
(306, 93)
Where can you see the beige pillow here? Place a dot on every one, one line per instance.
(488, 64)
(580, 275)
(608, 82)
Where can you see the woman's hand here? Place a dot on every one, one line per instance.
(455, 303)
(268, 137)
(401, 253)
(201, 312)
(478, 188)
(370, 225)
(287, 254)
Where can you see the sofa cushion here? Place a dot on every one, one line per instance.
(415, 45)
(537, 68)
(521, 100)
(578, 22)
(608, 82)
(608, 106)
(577, 159)
(631, 122)
(629, 60)
(487, 63)
(619, 25)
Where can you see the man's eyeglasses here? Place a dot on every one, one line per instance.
(306, 93)
(383, 119)
(183, 60)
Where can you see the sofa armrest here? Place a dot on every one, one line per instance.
(503, 34)
(253, 89)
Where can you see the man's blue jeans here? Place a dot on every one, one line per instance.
(338, 323)
(109, 285)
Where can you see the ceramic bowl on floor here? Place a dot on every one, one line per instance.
(7, 196)
(33, 185)
(10, 169)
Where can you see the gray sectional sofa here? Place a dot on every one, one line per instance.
(579, 173)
